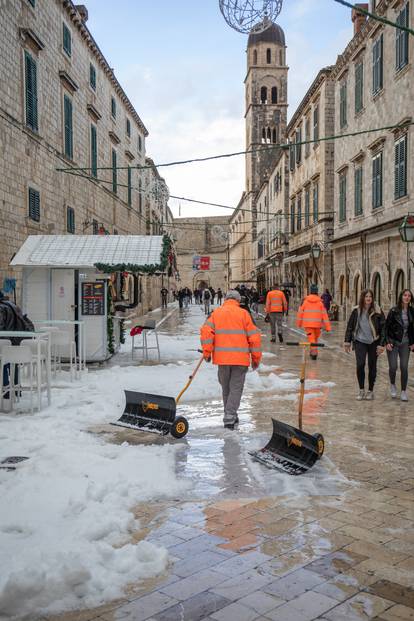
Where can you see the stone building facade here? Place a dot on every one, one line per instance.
(202, 237)
(374, 181)
(310, 221)
(62, 108)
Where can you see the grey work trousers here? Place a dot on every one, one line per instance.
(231, 378)
(207, 308)
(276, 320)
(403, 352)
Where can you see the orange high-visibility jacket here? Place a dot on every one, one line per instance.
(276, 302)
(312, 314)
(230, 336)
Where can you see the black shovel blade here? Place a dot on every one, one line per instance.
(144, 411)
(289, 450)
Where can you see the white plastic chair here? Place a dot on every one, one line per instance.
(62, 343)
(19, 357)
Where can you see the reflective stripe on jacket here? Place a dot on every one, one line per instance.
(276, 302)
(312, 314)
(230, 336)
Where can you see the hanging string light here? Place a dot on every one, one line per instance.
(250, 16)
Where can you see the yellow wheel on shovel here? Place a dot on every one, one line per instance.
(179, 427)
(320, 442)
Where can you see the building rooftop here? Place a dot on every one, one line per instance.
(272, 34)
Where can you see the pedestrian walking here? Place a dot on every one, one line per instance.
(255, 301)
(276, 305)
(287, 293)
(219, 296)
(164, 297)
(213, 294)
(326, 299)
(312, 317)
(230, 338)
(399, 339)
(365, 333)
(207, 301)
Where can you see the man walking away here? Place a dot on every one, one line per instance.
(287, 293)
(206, 300)
(312, 316)
(164, 297)
(219, 296)
(276, 305)
(230, 337)
(255, 302)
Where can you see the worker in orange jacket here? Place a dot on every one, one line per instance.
(231, 339)
(312, 316)
(276, 306)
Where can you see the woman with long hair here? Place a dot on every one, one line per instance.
(365, 333)
(399, 338)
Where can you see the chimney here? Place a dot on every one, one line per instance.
(83, 12)
(359, 19)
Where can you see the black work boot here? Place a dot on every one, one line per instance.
(229, 426)
(273, 339)
(314, 356)
(280, 335)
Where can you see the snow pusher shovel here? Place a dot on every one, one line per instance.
(290, 449)
(155, 413)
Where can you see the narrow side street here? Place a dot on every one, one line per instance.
(248, 543)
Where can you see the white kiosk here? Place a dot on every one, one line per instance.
(61, 280)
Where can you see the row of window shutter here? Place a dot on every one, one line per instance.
(297, 215)
(31, 92)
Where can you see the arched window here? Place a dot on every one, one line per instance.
(268, 55)
(274, 94)
(263, 95)
(263, 135)
(399, 284)
(255, 57)
(377, 289)
(269, 135)
(274, 136)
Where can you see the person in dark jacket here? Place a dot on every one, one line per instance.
(326, 299)
(365, 333)
(399, 338)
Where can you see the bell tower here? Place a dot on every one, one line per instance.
(266, 103)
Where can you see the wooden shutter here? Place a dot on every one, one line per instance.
(68, 129)
(31, 92)
(34, 205)
(129, 186)
(67, 40)
(92, 76)
(114, 173)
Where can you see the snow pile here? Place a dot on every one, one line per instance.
(66, 515)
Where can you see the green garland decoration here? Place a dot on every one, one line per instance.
(122, 331)
(134, 268)
(110, 323)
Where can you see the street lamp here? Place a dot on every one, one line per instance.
(316, 251)
(406, 228)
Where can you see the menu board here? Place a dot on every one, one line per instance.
(93, 298)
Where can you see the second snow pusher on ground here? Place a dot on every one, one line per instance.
(291, 449)
(155, 413)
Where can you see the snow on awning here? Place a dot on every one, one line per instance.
(146, 253)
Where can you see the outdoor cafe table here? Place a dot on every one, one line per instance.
(38, 337)
(69, 322)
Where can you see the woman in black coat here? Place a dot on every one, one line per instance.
(399, 338)
(365, 333)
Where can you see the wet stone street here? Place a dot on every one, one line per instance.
(248, 543)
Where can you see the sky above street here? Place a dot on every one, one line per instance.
(183, 68)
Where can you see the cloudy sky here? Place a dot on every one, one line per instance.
(183, 68)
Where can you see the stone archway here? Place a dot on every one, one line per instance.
(399, 283)
(357, 287)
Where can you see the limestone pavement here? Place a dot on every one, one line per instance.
(336, 544)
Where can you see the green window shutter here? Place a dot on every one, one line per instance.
(377, 65)
(342, 198)
(32, 2)
(31, 92)
(316, 124)
(68, 126)
(94, 152)
(292, 217)
(299, 214)
(70, 220)
(114, 173)
(377, 181)
(34, 205)
(315, 202)
(298, 145)
(95, 227)
(129, 186)
(92, 76)
(113, 107)
(307, 207)
(358, 191)
(359, 87)
(67, 40)
(343, 105)
(128, 128)
(401, 39)
(140, 196)
(401, 167)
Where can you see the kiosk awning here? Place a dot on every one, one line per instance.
(121, 251)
